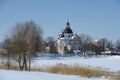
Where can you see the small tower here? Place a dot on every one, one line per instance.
(68, 24)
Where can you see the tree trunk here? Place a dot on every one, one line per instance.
(29, 61)
(20, 63)
(8, 62)
(24, 62)
(84, 54)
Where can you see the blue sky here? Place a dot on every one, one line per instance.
(97, 18)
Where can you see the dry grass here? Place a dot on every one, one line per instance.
(76, 70)
(10, 67)
(117, 76)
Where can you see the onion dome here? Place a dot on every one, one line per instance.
(68, 30)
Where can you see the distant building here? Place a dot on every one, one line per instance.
(67, 42)
(95, 42)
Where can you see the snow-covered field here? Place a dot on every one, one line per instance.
(17, 75)
(110, 63)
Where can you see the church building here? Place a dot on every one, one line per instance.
(68, 42)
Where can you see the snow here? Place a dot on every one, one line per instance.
(110, 63)
(17, 75)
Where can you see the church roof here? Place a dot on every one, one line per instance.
(68, 30)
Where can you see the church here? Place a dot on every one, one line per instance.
(68, 42)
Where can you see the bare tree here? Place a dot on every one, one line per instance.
(117, 45)
(26, 40)
(105, 44)
(110, 45)
(86, 41)
(8, 48)
(50, 42)
(34, 40)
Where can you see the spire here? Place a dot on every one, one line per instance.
(68, 22)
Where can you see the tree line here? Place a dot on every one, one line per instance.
(26, 41)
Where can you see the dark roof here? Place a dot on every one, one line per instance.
(68, 29)
(61, 35)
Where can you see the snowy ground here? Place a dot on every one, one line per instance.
(17, 75)
(110, 63)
